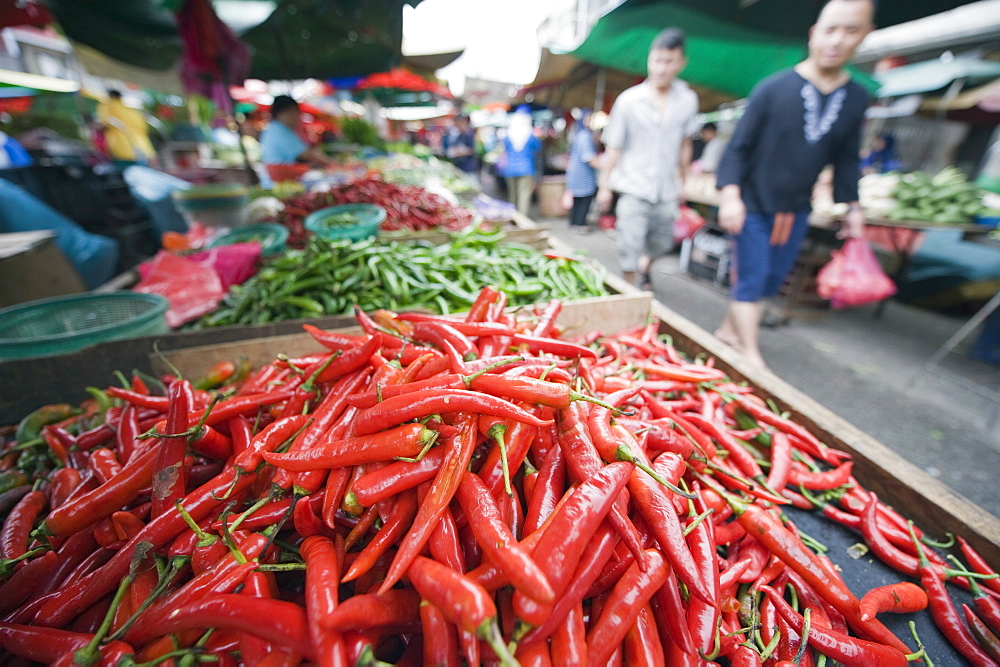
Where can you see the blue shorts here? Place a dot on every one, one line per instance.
(759, 268)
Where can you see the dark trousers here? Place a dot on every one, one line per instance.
(581, 207)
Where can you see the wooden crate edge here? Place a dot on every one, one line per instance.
(897, 481)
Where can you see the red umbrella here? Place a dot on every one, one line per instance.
(402, 79)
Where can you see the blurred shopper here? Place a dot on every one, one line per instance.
(459, 144)
(517, 162)
(126, 131)
(581, 174)
(708, 132)
(796, 122)
(12, 153)
(280, 143)
(881, 155)
(647, 141)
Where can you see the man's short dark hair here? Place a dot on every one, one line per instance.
(824, 3)
(114, 94)
(670, 39)
(282, 103)
(710, 127)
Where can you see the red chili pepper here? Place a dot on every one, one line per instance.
(396, 477)
(560, 348)
(843, 648)
(99, 503)
(18, 524)
(569, 642)
(978, 564)
(462, 601)
(393, 528)
(394, 411)
(988, 641)
(624, 605)
(27, 580)
(396, 606)
(549, 488)
(323, 565)
(571, 529)
(898, 598)
(71, 600)
(642, 645)
(988, 607)
(405, 441)
(443, 489)
(761, 524)
(105, 464)
(830, 479)
(286, 621)
(140, 399)
(47, 645)
(498, 543)
(170, 474)
(945, 615)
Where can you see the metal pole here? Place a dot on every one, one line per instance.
(599, 92)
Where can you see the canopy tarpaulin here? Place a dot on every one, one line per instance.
(138, 32)
(564, 81)
(327, 38)
(731, 44)
(931, 75)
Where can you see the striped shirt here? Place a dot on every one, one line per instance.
(581, 178)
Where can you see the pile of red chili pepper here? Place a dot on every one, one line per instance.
(408, 207)
(439, 489)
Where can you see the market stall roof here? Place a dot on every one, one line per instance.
(36, 82)
(327, 38)
(565, 81)
(934, 75)
(731, 44)
(986, 97)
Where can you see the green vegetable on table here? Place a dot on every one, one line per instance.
(330, 277)
(947, 198)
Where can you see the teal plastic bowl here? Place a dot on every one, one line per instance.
(353, 222)
(272, 237)
(65, 324)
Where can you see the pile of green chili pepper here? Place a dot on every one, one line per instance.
(450, 490)
(331, 277)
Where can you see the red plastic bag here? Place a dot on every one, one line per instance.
(854, 276)
(687, 224)
(234, 263)
(192, 288)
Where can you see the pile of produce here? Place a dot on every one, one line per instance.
(946, 198)
(407, 208)
(446, 489)
(408, 170)
(332, 277)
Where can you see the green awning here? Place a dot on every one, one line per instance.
(327, 39)
(722, 56)
(731, 44)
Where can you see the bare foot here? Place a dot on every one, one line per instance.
(756, 361)
(727, 337)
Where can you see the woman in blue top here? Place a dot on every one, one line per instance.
(581, 175)
(520, 148)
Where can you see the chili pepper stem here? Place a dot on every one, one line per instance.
(624, 454)
(166, 577)
(367, 659)
(946, 544)
(280, 567)
(429, 438)
(804, 639)
(467, 379)
(697, 520)
(497, 432)
(90, 654)
(921, 649)
(7, 564)
(248, 513)
(489, 632)
(577, 396)
(204, 539)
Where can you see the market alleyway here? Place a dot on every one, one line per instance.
(868, 370)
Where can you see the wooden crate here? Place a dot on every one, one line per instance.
(608, 314)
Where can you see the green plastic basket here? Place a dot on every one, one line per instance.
(271, 236)
(353, 222)
(68, 323)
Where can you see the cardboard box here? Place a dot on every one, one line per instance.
(33, 267)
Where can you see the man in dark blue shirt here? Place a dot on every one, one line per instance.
(796, 122)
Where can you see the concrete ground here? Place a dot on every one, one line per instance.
(867, 369)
